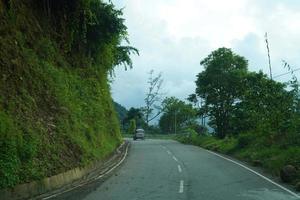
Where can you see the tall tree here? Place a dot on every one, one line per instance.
(264, 104)
(220, 86)
(137, 115)
(121, 111)
(176, 115)
(198, 103)
(153, 98)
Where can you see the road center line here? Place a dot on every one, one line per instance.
(181, 187)
(169, 152)
(179, 168)
(175, 158)
(258, 174)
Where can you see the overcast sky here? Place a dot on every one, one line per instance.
(173, 36)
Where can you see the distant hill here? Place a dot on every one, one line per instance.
(121, 111)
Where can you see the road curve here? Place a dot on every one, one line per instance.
(168, 170)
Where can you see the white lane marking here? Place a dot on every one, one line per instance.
(55, 195)
(175, 158)
(181, 186)
(179, 168)
(169, 152)
(258, 174)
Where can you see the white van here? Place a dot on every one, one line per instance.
(139, 134)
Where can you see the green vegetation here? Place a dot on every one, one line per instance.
(250, 148)
(136, 115)
(132, 127)
(176, 116)
(121, 111)
(238, 101)
(220, 85)
(56, 112)
(255, 118)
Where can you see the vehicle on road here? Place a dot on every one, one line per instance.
(139, 134)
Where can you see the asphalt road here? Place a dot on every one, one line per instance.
(168, 170)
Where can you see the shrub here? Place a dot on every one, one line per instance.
(244, 140)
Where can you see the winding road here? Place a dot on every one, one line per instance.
(168, 170)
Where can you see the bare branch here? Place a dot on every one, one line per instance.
(153, 96)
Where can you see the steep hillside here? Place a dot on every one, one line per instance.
(56, 112)
(121, 111)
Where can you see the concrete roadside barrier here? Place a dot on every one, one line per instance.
(52, 186)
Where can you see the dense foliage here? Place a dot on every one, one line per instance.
(137, 116)
(56, 112)
(239, 101)
(255, 118)
(176, 116)
(132, 127)
(220, 86)
(121, 111)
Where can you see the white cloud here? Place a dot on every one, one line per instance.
(205, 19)
(174, 35)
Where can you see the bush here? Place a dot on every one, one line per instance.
(10, 146)
(244, 140)
(228, 145)
(199, 129)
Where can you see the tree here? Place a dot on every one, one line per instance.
(198, 103)
(91, 28)
(219, 85)
(264, 104)
(122, 113)
(152, 109)
(137, 115)
(132, 127)
(193, 99)
(176, 115)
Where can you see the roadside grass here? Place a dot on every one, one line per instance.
(245, 147)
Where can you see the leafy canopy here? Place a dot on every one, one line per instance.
(176, 115)
(219, 85)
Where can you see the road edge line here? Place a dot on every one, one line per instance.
(256, 173)
(94, 179)
(114, 167)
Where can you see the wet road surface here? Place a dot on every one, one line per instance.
(168, 170)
